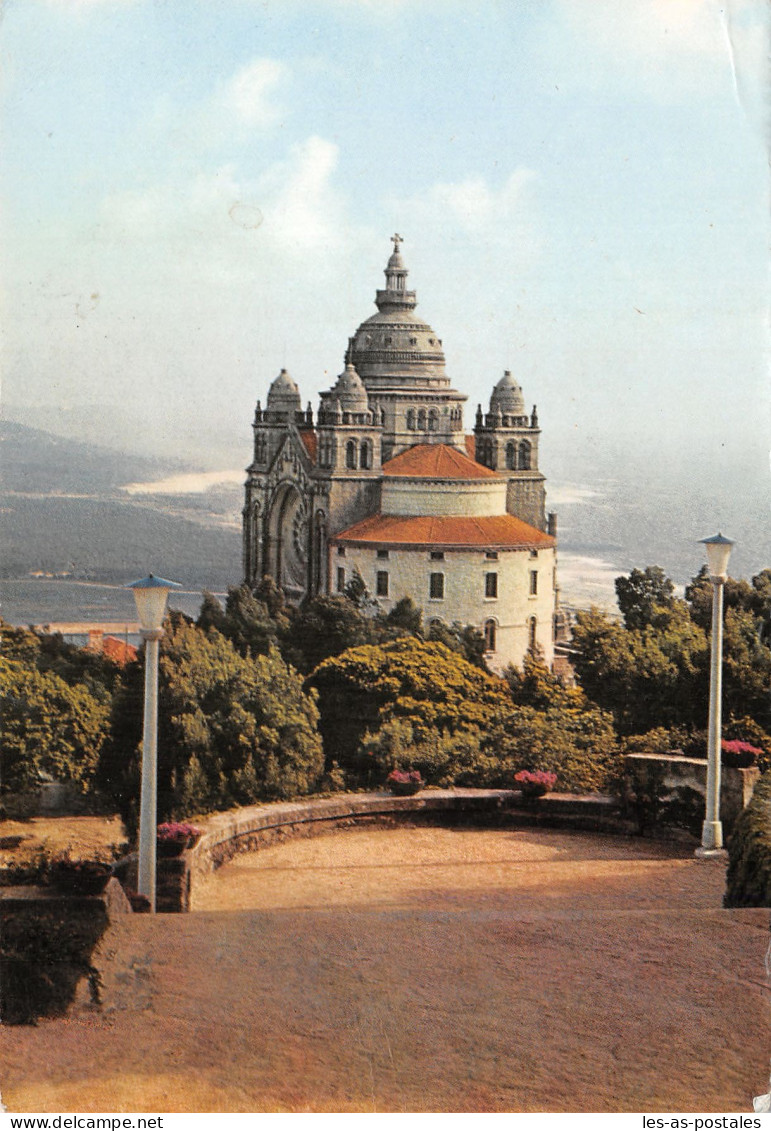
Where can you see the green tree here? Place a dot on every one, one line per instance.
(48, 727)
(737, 594)
(211, 614)
(648, 678)
(232, 730)
(424, 683)
(324, 627)
(641, 594)
(465, 639)
(404, 616)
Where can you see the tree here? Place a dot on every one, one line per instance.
(642, 594)
(232, 730)
(656, 676)
(324, 627)
(405, 615)
(211, 614)
(465, 639)
(424, 683)
(249, 624)
(48, 728)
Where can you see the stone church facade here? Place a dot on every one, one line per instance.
(386, 481)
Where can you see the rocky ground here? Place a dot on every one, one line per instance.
(422, 970)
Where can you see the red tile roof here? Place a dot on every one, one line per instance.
(119, 651)
(436, 461)
(471, 446)
(310, 440)
(500, 531)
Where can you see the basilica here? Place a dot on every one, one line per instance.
(386, 482)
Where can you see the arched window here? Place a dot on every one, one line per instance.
(365, 455)
(486, 452)
(350, 454)
(490, 632)
(524, 456)
(532, 625)
(511, 456)
(433, 420)
(422, 420)
(411, 419)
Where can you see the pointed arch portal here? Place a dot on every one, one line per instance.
(287, 557)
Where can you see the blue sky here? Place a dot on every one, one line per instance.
(196, 194)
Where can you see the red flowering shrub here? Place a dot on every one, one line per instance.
(535, 782)
(177, 830)
(735, 752)
(403, 777)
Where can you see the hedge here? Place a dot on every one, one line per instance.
(748, 880)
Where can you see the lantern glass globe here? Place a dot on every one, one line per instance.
(718, 553)
(150, 596)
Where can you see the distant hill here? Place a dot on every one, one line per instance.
(37, 461)
(63, 513)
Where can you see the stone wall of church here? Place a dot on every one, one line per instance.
(526, 498)
(524, 590)
(351, 500)
(426, 497)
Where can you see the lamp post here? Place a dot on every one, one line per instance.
(150, 594)
(718, 552)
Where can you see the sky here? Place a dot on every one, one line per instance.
(196, 194)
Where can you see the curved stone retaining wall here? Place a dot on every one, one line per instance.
(244, 830)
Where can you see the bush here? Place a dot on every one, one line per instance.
(748, 879)
(423, 684)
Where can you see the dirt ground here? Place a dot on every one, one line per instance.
(88, 836)
(422, 970)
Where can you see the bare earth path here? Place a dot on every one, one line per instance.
(422, 970)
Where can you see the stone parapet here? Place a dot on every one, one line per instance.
(670, 789)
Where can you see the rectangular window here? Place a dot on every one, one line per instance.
(341, 551)
(381, 583)
(533, 582)
(436, 586)
(383, 555)
(437, 555)
(340, 579)
(491, 585)
(492, 555)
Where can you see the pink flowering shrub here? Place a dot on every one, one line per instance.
(735, 752)
(177, 830)
(405, 777)
(535, 782)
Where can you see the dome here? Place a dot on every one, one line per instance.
(283, 395)
(507, 397)
(394, 344)
(350, 392)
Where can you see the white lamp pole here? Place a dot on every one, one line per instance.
(718, 552)
(150, 594)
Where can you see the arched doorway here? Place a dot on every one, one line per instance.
(287, 557)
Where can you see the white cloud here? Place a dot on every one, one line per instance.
(248, 94)
(473, 205)
(305, 214)
(659, 48)
(293, 204)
